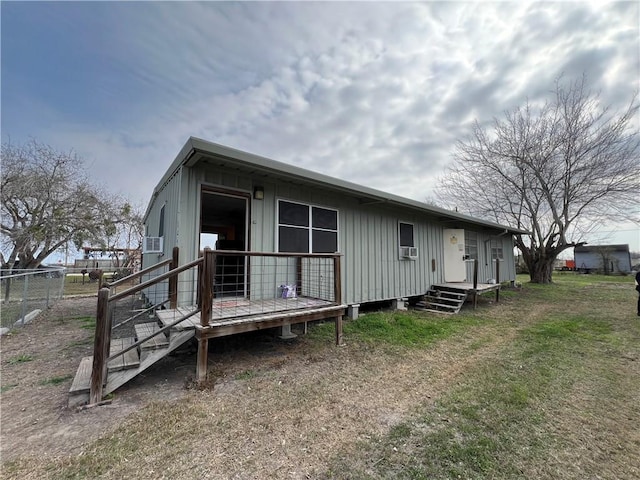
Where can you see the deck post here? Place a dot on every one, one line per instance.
(206, 303)
(100, 346)
(498, 280)
(337, 296)
(201, 366)
(475, 283)
(206, 286)
(173, 280)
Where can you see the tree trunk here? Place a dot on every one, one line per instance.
(541, 270)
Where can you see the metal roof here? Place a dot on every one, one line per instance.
(196, 150)
(624, 247)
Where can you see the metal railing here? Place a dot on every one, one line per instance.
(24, 293)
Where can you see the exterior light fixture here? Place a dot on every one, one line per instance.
(258, 193)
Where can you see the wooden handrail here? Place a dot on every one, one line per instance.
(139, 314)
(173, 280)
(206, 270)
(154, 280)
(159, 331)
(135, 275)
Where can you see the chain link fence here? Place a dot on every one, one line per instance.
(24, 293)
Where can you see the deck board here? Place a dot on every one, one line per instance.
(82, 380)
(130, 359)
(234, 311)
(144, 330)
(468, 287)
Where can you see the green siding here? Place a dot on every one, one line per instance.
(368, 238)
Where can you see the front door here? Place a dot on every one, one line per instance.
(455, 269)
(223, 226)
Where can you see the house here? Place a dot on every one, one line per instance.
(235, 242)
(393, 248)
(606, 259)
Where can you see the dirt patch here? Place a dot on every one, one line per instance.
(319, 399)
(38, 363)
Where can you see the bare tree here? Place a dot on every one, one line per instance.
(124, 236)
(46, 203)
(557, 171)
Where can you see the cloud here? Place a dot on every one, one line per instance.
(376, 93)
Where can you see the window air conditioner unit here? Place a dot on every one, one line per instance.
(409, 252)
(152, 245)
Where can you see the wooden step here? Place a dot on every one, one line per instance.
(78, 393)
(130, 359)
(143, 330)
(446, 294)
(436, 305)
(117, 379)
(447, 306)
(444, 312)
(445, 300)
(82, 380)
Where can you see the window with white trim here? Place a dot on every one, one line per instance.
(306, 228)
(405, 234)
(471, 245)
(496, 249)
(161, 222)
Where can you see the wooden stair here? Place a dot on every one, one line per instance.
(127, 366)
(442, 301)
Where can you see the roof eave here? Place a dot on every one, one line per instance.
(280, 169)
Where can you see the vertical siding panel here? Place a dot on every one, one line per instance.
(383, 246)
(368, 237)
(351, 253)
(372, 256)
(392, 239)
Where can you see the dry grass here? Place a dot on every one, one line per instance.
(536, 387)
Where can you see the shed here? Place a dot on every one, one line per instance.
(607, 259)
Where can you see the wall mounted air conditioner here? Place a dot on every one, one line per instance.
(152, 245)
(409, 252)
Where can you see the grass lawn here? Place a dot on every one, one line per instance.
(559, 401)
(74, 285)
(543, 385)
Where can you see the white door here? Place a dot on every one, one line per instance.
(455, 269)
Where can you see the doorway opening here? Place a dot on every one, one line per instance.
(224, 226)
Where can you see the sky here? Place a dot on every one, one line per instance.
(375, 93)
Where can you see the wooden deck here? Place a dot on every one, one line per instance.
(235, 315)
(467, 287)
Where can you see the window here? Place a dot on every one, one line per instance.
(407, 241)
(405, 233)
(496, 249)
(306, 229)
(161, 223)
(471, 245)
